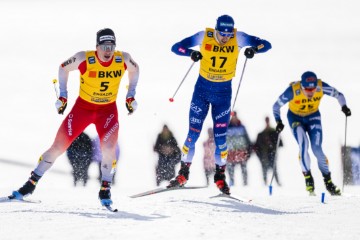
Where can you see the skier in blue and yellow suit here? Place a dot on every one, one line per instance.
(304, 117)
(219, 50)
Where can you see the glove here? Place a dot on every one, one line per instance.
(250, 52)
(196, 56)
(131, 104)
(61, 104)
(346, 110)
(279, 127)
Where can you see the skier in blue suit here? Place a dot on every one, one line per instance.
(304, 117)
(218, 55)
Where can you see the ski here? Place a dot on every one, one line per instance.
(25, 200)
(108, 207)
(237, 198)
(164, 189)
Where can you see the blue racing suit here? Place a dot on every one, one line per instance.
(304, 117)
(213, 86)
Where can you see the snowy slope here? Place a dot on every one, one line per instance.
(306, 35)
(74, 213)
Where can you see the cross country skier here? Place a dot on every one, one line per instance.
(219, 50)
(100, 74)
(304, 117)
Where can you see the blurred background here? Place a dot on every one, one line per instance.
(37, 36)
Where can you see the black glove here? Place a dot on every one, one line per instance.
(346, 110)
(250, 52)
(279, 126)
(196, 56)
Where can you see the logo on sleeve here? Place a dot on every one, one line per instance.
(70, 60)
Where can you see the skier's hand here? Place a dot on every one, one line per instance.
(279, 127)
(196, 56)
(346, 110)
(131, 104)
(250, 52)
(61, 105)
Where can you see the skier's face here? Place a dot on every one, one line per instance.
(105, 51)
(308, 92)
(223, 37)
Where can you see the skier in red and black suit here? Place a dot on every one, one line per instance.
(100, 74)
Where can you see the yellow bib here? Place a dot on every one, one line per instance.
(100, 84)
(219, 62)
(303, 106)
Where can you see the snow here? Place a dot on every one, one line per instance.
(306, 35)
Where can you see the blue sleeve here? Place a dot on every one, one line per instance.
(182, 48)
(332, 92)
(285, 97)
(252, 41)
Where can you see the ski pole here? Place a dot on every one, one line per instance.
(56, 91)
(274, 164)
(237, 92)
(344, 157)
(172, 98)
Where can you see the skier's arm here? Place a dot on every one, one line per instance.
(281, 101)
(73, 63)
(133, 74)
(332, 92)
(259, 44)
(182, 48)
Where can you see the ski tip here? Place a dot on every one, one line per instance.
(113, 210)
(108, 207)
(13, 199)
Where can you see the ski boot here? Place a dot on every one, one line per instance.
(220, 179)
(104, 194)
(182, 177)
(27, 189)
(330, 186)
(309, 182)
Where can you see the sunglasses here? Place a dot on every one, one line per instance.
(311, 89)
(226, 34)
(107, 47)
